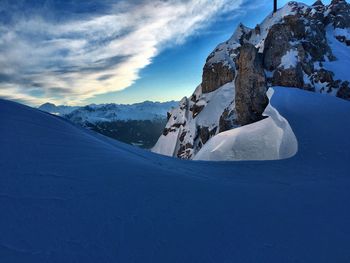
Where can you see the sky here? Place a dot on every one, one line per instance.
(78, 52)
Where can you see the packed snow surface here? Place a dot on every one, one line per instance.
(269, 139)
(70, 195)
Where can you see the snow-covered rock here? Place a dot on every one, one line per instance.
(195, 120)
(300, 46)
(269, 139)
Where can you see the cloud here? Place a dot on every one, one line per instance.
(68, 61)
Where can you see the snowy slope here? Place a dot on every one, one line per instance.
(68, 195)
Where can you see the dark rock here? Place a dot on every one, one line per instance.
(291, 77)
(193, 98)
(339, 14)
(183, 152)
(226, 121)
(323, 76)
(276, 45)
(344, 91)
(203, 134)
(182, 136)
(216, 75)
(213, 132)
(167, 130)
(196, 109)
(178, 125)
(296, 26)
(250, 97)
(343, 39)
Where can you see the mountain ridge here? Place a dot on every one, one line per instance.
(138, 124)
(151, 107)
(301, 46)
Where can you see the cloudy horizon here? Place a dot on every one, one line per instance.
(84, 52)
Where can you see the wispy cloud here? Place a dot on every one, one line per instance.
(68, 61)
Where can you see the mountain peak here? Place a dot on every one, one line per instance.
(318, 3)
(47, 104)
(300, 46)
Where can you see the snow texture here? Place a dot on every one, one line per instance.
(340, 67)
(70, 195)
(290, 59)
(269, 139)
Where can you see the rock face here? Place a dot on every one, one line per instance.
(251, 99)
(301, 46)
(216, 75)
(290, 77)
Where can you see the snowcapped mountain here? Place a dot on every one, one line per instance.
(301, 46)
(139, 124)
(57, 110)
(93, 113)
(70, 195)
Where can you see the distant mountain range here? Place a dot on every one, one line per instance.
(139, 124)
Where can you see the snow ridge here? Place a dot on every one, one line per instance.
(269, 139)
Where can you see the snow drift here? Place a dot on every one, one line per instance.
(269, 139)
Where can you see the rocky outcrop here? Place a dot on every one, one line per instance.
(277, 44)
(250, 97)
(215, 75)
(338, 14)
(304, 32)
(290, 77)
(298, 46)
(226, 121)
(344, 91)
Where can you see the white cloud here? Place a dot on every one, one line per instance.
(76, 60)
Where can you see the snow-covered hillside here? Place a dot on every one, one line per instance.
(69, 195)
(306, 47)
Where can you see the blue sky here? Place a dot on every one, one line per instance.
(80, 52)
